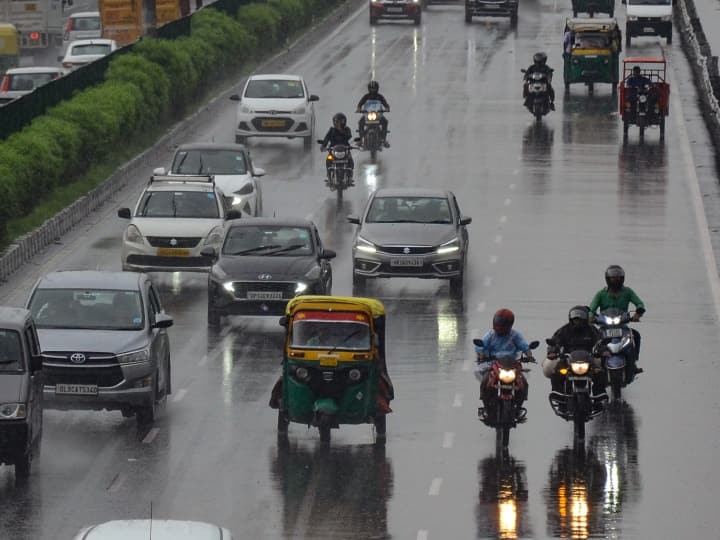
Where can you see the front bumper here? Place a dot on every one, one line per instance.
(395, 10)
(489, 8)
(278, 125)
(237, 302)
(428, 266)
(145, 258)
(649, 27)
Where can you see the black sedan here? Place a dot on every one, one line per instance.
(263, 263)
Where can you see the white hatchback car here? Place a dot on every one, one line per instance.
(84, 51)
(275, 106)
(175, 219)
(20, 81)
(82, 25)
(231, 166)
(157, 529)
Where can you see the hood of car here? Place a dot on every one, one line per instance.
(410, 234)
(140, 529)
(12, 387)
(230, 183)
(107, 341)
(243, 268)
(175, 226)
(267, 104)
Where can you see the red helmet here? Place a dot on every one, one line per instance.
(503, 321)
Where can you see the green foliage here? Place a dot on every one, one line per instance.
(177, 65)
(293, 16)
(68, 134)
(231, 39)
(148, 77)
(263, 21)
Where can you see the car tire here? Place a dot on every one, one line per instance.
(457, 286)
(240, 139)
(168, 379)
(468, 16)
(359, 285)
(308, 142)
(22, 466)
(147, 414)
(214, 318)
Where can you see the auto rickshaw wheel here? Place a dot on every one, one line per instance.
(626, 127)
(282, 422)
(662, 126)
(380, 425)
(591, 88)
(324, 428)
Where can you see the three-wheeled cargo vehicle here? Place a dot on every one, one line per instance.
(644, 94)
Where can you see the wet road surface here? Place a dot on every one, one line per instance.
(552, 206)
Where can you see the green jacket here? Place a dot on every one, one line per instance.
(604, 299)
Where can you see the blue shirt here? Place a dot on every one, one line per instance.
(511, 344)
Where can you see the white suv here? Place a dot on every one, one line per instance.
(275, 106)
(158, 529)
(175, 218)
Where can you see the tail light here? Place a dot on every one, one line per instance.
(5, 84)
(34, 36)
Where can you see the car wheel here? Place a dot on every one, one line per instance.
(214, 318)
(127, 412)
(359, 285)
(308, 142)
(146, 414)
(22, 466)
(373, 20)
(457, 286)
(168, 378)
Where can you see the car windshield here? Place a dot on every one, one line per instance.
(178, 204)
(103, 309)
(311, 334)
(409, 210)
(373, 105)
(10, 351)
(592, 41)
(274, 89)
(209, 162)
(29, 81)
(90, 48)
(85, 23)
(268, 240)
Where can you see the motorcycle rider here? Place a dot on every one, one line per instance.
(339, 134)
(374, 94)
(500, 341)
(636, 83)
(539, 65)
(617, 295)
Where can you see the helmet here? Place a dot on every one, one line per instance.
(614, 277)
(503, 321)
(579, 315)
(636, 70)
(339, 118)
(373, 87)
(540, 58)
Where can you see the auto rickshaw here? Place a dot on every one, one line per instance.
(334, 369)
(9, 50)
(591, 7)
(644, 100)
(594, 56)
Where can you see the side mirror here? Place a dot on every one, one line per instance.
(313, 97)
(163, 320)
(534, 344)
(258, 171)
(247, 189)
(353, 219)
(124, 213)
(160, 171)
(478, 342)
(283, 321)
(233, 214)
(465, 220)
(235, 97)
(523, 71)
(36, 362)
(328, 254)
(208, 252)
(551, 342)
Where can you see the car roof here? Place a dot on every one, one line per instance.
(13, 318)
(80, 14)
(34, 69)
(273, 76)
(283, 222)
(92, 279)
(202, 187)
(94, 41)
(411, 192)
(211, 146)
(139, 529)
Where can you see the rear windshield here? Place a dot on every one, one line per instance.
(209, 162)
(274, 89)
(181, 204)
(29, 81)
(95, 48)
(85, 23)
(308, 334)
(10, 351)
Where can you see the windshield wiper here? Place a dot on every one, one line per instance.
(292, 247)
(201, 165)
(179, 165)
(440, 221)
(253, 250)
(345, 339)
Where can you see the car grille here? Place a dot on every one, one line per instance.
(241, 288)
(100, 369)
(179, 262)
(278, 124)
(400, 250)
(91, 358)
(12, 435)
(180, 242)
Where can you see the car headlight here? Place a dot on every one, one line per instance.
(313, 274)
(632, 18)
(506, 375)
(300, 287)
(215, 236)
(300, 110)
(229, 286)
(245, 109)
(134, 357)
(666, 18)
(13, 411)
(579, 368)
(449, 247)
(365, 245)
(133, 235)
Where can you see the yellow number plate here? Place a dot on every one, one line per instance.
(173, 252)
(329, 362)
(273, 123)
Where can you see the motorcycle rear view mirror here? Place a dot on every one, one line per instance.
(534, 344)
(550, 342)
(478, 342)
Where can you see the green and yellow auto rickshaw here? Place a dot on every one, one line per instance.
(592, 52)
(334, 369)
(9, 50)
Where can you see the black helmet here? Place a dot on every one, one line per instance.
(540, 58)
(615, 277)
(503, 321)
(579, 315)
(341, 118)
(373, 87)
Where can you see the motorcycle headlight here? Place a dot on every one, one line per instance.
(506, 375)
(13, 411)
(215, 237)
(313, 274)
(449, 247)
(229, 286)
(133, 235)
(300, 287)
(580, 368)
(340, 154)
(134, 357)
(372, 116)
(365, 245)
(643, 99)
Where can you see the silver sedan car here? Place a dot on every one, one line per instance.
(410, 232)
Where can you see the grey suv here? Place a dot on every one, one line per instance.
(104, 342)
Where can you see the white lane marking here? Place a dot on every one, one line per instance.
(448, 439)
(701, 219)
(498, 239)
(180, 395)
(507, 202)
(503, 219)
(435, 485)
(480, 308)
(422, 535)
(116, 483)
(203, 360)
(457, 402)
(493, 259)
(151, 435)
(132, 459)
(487, 281)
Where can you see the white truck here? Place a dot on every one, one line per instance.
(39, 22)
(648, 18)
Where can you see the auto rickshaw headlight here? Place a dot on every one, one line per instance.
(302, 373)
(354, 375)
(229, 286)
(506, 375)
(12, 411)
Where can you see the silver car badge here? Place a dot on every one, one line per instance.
(77, 358)
(264, 277)
(406, 250)
(173, 242)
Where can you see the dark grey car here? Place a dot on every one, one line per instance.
(410, 232)
(104, 342)
(263, 263)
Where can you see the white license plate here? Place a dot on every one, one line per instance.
(406, 261)
(613, 332)
(648, 30)
(77, 389)
(264, 295)
(395, 10)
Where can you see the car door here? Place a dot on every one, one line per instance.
(160, 343)
(325, 267)
(32, 345)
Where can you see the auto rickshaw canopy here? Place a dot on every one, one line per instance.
(372, 307)
(8, 39)
(595, 24)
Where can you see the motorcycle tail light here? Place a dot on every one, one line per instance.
(506, 375)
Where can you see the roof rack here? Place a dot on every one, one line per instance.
(182, 179)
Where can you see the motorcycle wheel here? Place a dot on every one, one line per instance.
(282, 422)
(616, 388)
(505, 419)
(582, 405)
(591, 88)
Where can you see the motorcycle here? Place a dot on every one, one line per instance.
(339, 170)
(371, 137)
(576, 403)
(537, 98)
(619, 344)
(505, 380)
